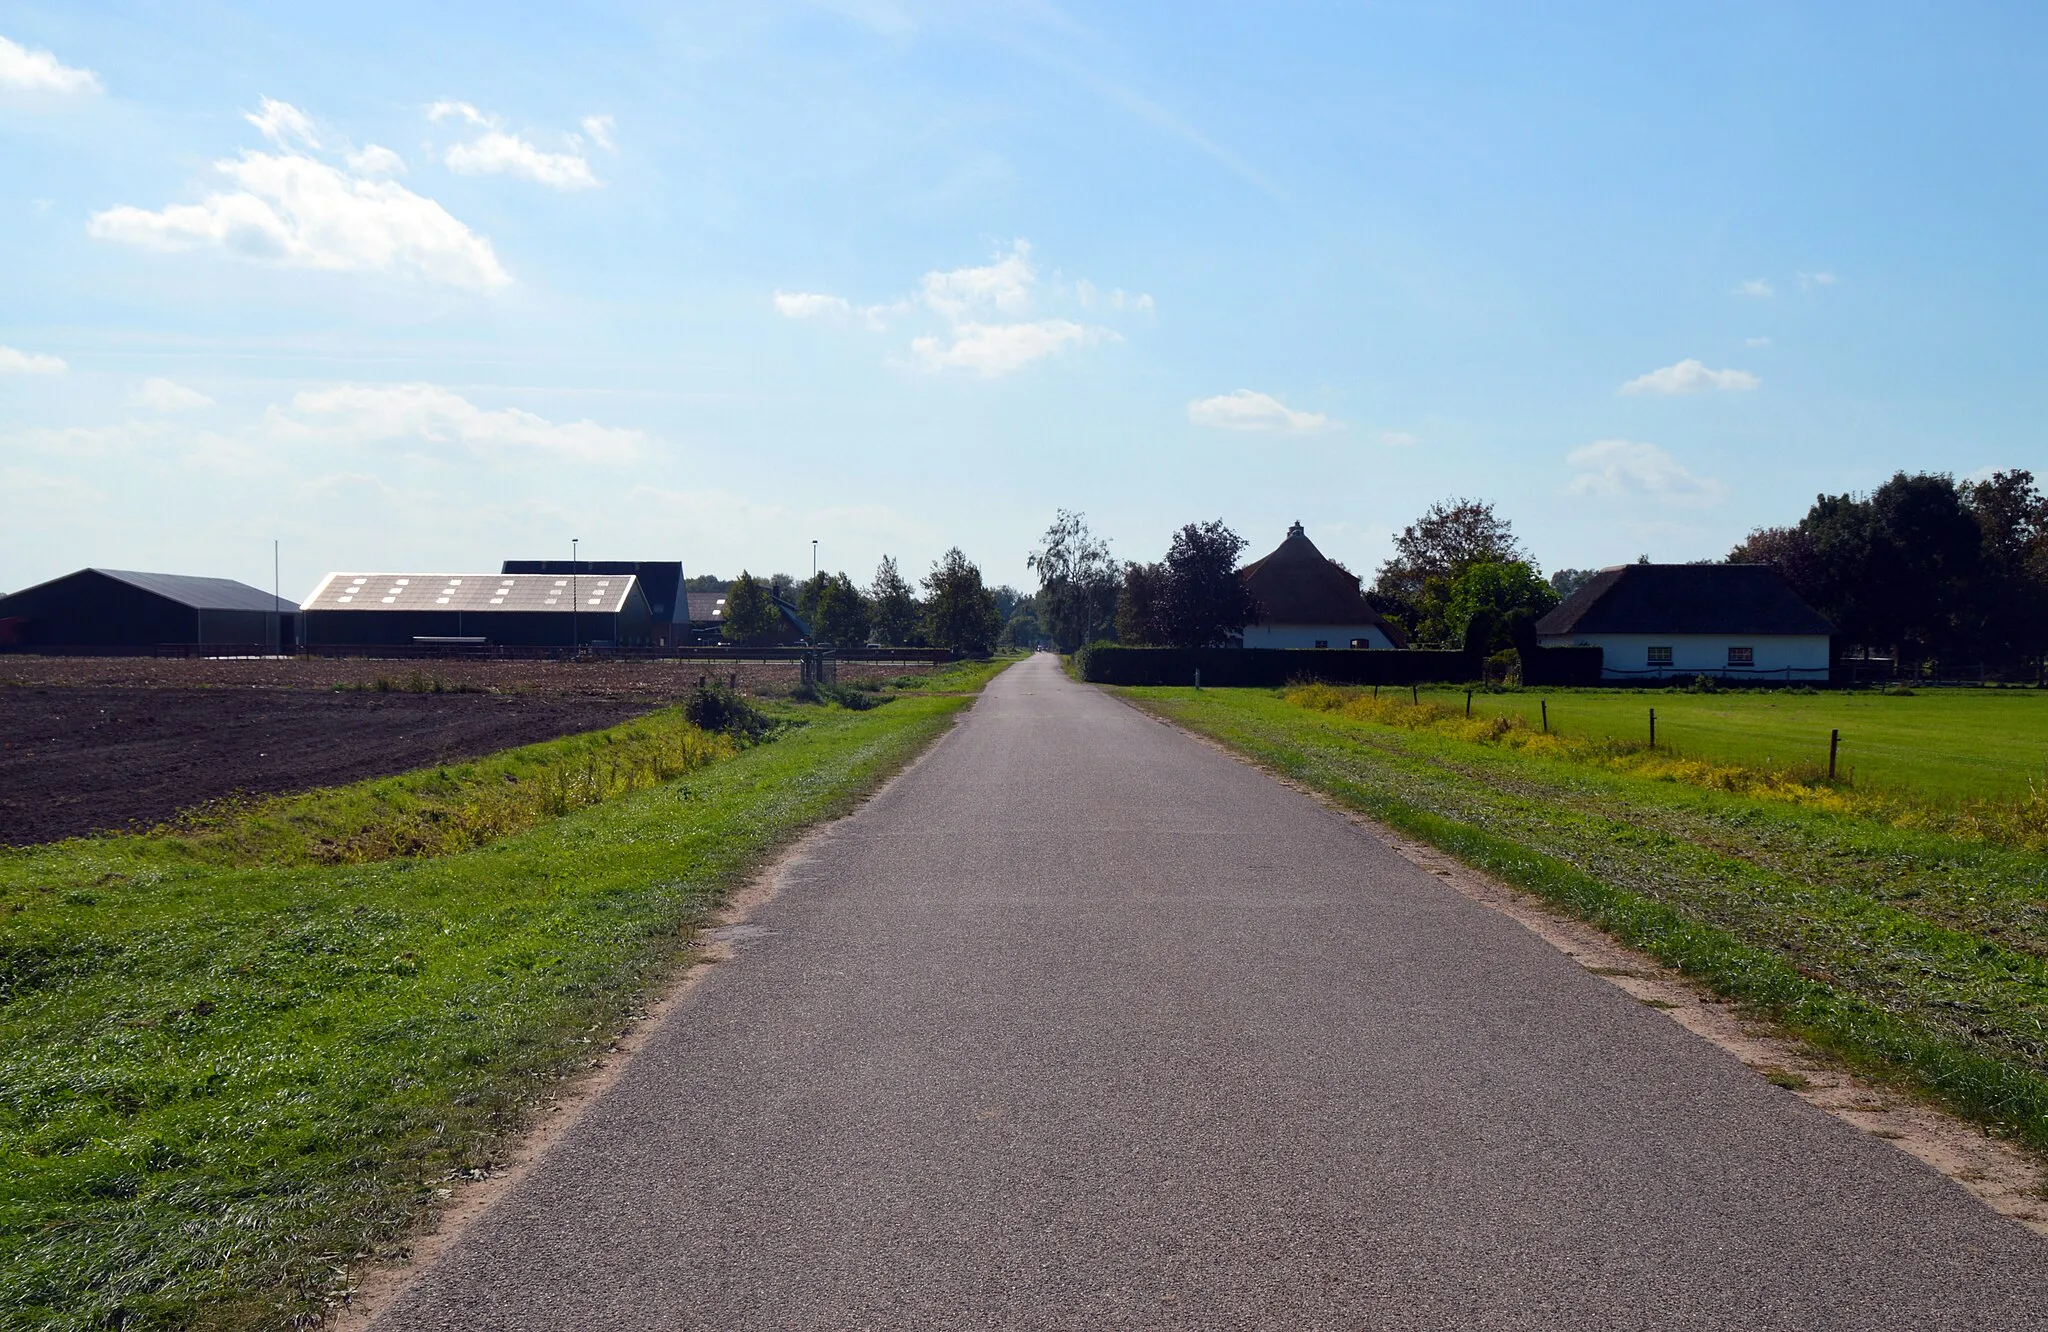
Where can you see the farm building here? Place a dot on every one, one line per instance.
(707, 621)
(521, 610)
(120, 608)
(661, 582)
(1661, 620)
(1307, 600)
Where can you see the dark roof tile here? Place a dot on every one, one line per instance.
(1685, 599)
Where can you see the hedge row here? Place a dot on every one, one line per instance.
(1562, 665)
(1106, 663)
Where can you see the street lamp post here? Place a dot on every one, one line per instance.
(575, 598)
(814, 557)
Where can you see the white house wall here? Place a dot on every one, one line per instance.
(1627, 656)
(1308, 635)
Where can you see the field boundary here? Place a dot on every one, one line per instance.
(1997, 1173)
(376, 1284)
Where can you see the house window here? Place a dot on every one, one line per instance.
(1361, 642)
(1660, 656)
(1742, 656)
(1322, 642)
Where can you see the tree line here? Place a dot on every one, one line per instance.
(1927, 570)
(956, 611)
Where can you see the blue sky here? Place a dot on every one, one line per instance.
(430, 286)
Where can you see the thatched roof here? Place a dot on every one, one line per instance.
(1298, 584)
(1686, 599)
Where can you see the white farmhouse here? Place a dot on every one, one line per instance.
(1307, 600)
(1741, 621)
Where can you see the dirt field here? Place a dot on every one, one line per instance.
(653, 679)
(97, 744)
(76, 761)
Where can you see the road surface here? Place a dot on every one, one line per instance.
(1082, 1024)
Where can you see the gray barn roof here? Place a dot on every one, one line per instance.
(590, 593)
(201, 593)
(1685, 599)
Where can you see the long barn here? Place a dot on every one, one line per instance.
(523, 610)
(123, 608)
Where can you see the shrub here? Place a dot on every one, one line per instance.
(721, 710)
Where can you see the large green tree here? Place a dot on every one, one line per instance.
(1484, 601)
(750, 614)
(1206, 603)
(1077, 583)
(960, 613)
(1414, 586)
(894, 616)
(1141, 606)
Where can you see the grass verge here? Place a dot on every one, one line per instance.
(1913, 955)
(224, 1079)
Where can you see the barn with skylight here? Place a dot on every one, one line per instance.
(520, 610)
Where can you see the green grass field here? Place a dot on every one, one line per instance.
(231, 1069)
(1913, 954)
(1934, 744)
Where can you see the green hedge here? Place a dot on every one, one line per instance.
(1107, 663)
(1562, 665)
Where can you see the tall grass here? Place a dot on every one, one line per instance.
(2020, 822)
(444, 810)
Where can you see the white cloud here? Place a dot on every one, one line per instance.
(1823, 278)
(1755, 287)
(1003, 286)
(1250, 410)
(1756, 342)
(1690, 376)
(1623, 468)
(812, 305)
(297, 211)
(990, 323)
(376, 160)
(426, 412)
(993, 350)
(1092, 297)
(1397, 439)
(165, 396)
(443, 110)
(282, 123)
(497, 153)
(23, 70)
(14, 362)
(599, 128)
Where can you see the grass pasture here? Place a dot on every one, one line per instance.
(237, 1058)
(1936, 745)
(1910, 952)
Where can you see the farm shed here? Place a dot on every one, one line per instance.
(1307, 600)
(1655, 621)
(521, 610)
(661, 582)
(121, 608)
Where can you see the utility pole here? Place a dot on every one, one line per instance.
(575, 598)
(276, 595)
(814, 557)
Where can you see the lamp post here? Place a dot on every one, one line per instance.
(814, 557)
(575, 597)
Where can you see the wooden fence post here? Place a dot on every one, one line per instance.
(1834, 744)
(1544, 703)
(1653, 728)
(1468, 703)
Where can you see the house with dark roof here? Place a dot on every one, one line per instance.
(122, 608)
(1659, 620)
(1307, 600)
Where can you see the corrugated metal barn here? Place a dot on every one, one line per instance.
(661, 582)
(521, 610)
(117, 608)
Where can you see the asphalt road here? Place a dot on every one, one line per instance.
(1083, 1025)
